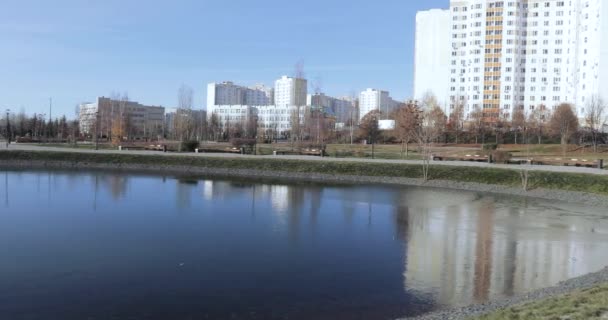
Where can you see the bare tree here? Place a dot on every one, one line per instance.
(118, 118)
(430, 129)
(214, 127)
(596, 119)
(518, 122)
(407, 120)
(353, 115)
(184, 120)
(296, 126)
(537, 121)
(456, 120)
(477, 125)
(564, 124)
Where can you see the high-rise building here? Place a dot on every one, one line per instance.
(432, 55)
(526, 54)
(290, 92)
(372, 99)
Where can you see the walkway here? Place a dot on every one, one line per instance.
(26, 147)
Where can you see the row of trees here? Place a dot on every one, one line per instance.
(542, 124)
(38, 127)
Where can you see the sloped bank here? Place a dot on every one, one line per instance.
(580, 188)
(591, 280)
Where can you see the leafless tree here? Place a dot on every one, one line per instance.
(118, 117)
(353, 115)
(596, 119)
(456, 120)
(537, 121)
(518, 122)
(214, 127)
(184, 122)
(431, 127)
(564, 124)
(477, 125)
(407, 120)
(295, 120)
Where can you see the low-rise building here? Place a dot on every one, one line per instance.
(342, 108)
(128, 119)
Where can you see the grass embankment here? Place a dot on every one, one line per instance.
(503, 177)
(589, 304)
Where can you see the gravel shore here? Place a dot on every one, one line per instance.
(583, 282)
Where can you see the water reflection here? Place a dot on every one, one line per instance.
(494, 247)
(379, 252)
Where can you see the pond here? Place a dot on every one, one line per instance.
(101, 245)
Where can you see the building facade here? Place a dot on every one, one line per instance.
(526, 54)
(373, 99)
(228, 93)
(273, 118)
(107, 117)
(342, 108)
(290, 91)
(432, 55)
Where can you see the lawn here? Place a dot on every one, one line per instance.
(589, 304)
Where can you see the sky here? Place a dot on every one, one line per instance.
(76, 50)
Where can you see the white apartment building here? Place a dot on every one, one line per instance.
(373, 99)
(227, 93)
(275, 118)
(432, 55)
(525, 54)
(140, 121)
(290, 91)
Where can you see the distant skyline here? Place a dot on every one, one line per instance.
(74, 51)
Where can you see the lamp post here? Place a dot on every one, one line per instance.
(8, 128)
(97, 130)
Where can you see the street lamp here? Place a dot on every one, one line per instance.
(8, 128)
(97, 130)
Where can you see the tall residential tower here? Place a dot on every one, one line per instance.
(525, 54)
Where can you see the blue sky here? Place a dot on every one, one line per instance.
(76, 50)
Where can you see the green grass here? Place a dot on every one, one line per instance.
(589, 304)
(505, 177)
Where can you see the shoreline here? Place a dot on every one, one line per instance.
(588, 199)
(471, 312)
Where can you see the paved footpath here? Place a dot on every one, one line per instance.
(27, 147)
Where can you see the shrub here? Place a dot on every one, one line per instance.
(190, 145)
(501, 156)
(490, 146)
(240, 142)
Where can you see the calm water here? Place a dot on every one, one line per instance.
(112, 246)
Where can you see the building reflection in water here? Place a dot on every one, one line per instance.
(486, 248)
(459, 247)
